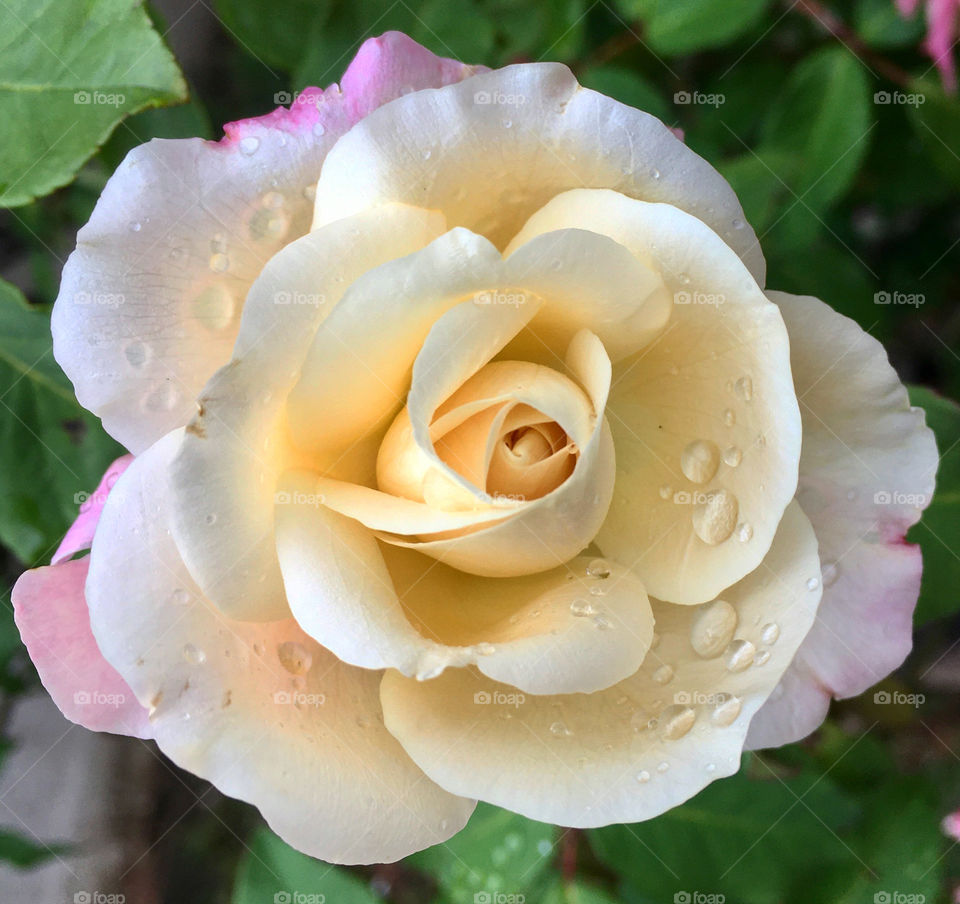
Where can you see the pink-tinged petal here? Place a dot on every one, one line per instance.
(80, 534)
(51, 612)
(150, 300)
(941, 33)
(951, 825)
(866, 473)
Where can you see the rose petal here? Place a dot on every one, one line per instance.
(222, 693)
(51, 613)
(235, 449)
(523, 134)
(866, 474)
(591, 760)
(530, 632)
(150, 301)
(714, 390)
(79, 536)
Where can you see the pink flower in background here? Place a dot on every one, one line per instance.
(942, 18)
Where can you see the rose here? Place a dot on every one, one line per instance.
(499, 461)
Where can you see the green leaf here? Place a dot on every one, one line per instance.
(822, 119)
(51, 450)
(275, 33)
(936, 121)
(70, 70)
(676, 28)
(880, 24)
(497, 853)
(745, 838)
(272, 871)
(938, 532)
(23, 852)
(629, 88)
(460, 30)
(577, 893)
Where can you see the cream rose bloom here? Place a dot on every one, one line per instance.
(472, 461)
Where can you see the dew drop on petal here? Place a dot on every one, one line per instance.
(712, 628)
(830, 573)
(770, 634)
(559, 730)
(740, 655)
(599, 568)
(194, 655)
(581, 608)
(715, 519)
(666, 491)
(294, 657)
(732, 456)
(744, 532)
(762, 658)
(813, 583)
(726, 711)
(744, 388)
(137, 354)
(663, 767)
(642, 776)
(699, 460)
(249, 145)
(663, 675)
(677, 720)
(729, 418)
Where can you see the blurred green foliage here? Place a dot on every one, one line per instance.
(845, 152)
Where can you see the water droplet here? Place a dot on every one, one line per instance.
(507, 123)
(427, 153)
(677, 720)
(180, 597)
(581, 608)
(137, 354)
(318, 129)
(642, 776)
(294, 657)
(738, 223)
(163, 398)
(831, 572)
(211, 518)
(559, 730)
(194, 655)
(699, 460)
(732, 456)
(602, 623)
(599, 568)
(740, 655)
(744, 388)
(711, 767)
(770, 634)
(813, 583)
(655, 174)
(598, 590)
(744, 532)
(219, 262)
(714, 520)
(249, 145)
(762, 658)
(729, 418)
(726, 711)
(663, 675)
(666, 491)
(135, 227)
(663, 767)
(712, 629)
(310, 193)
(214, 307)
(485, 649)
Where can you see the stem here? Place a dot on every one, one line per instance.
(568, 854)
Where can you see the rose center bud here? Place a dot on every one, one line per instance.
(494, 433)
